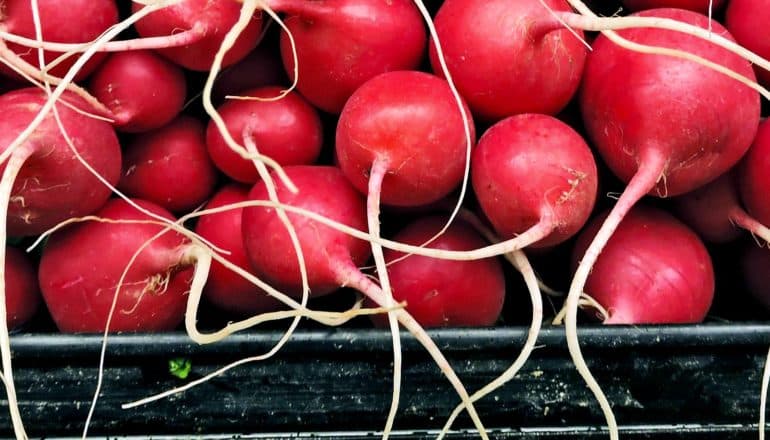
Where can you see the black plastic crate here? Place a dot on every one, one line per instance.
(663, 382)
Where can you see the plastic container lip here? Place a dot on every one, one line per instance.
(455, 340)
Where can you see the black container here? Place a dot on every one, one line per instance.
(663, 382)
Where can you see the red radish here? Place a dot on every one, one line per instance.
(533, 172)
(409, 124)
(331, 257)
(288, 130)
(624, 133)
(142, 90)
(22, 294)
(639, 282)
(170, 166)
(81, 21)
(656, 129)
(746, 21)
(225, 288)
(445, 293)
(268, 244)
(260, 68)
(354, 40)
(51, 185)
(79, 282)
(755, 267)
(509, 57)
(204, 24)
(754, 175)
(714, 211)
(701, 6)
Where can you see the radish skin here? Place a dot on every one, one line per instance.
(637, 282)
(288, 130)
(745, 20)
(206, 24)
(754, 181)
(355, 40)
(718, 225)
(438, 292)
(534, 172)
(142, 90)
(80, 22)
(170, 166)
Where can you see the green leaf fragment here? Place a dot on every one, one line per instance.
(180, 367)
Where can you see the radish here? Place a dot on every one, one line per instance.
(438, 293)
(142, 90)
(79, 283)
(754, 181)
(79, 22)
(224, 287)
(49, 184)
(267, 242)
(639, 282)
(354, 40)
(508, 58)
(405, 125)
(702, 6)
(198, 28)
(533, 174)
(170, 166)
(746, 19)
(288, 130)
(714, 210)
(332, 257)
(707, 132)
(22, 293)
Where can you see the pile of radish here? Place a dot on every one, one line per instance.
(167, 162)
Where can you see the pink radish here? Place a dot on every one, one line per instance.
(656, 129)
(534, 174)
(170, 166)
(224, 287)
(714, 211)
(79, 22)
(354, 40)
(639, 282)
(142, 90)
(702, 6)
(508, 58)
(202, 25)
(22, 295)
(746, 20)
(439, 293)
(79, 283)
(331, 257)
(288, 130)
(753, 175)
